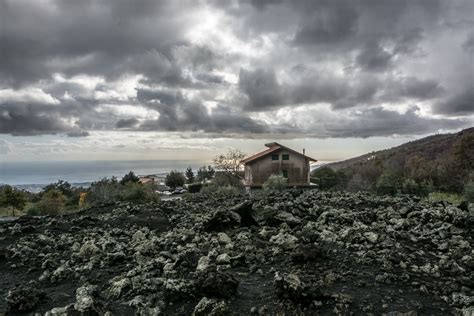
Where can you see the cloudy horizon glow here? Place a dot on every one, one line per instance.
(101, 79)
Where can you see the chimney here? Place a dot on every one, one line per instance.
(303, 151)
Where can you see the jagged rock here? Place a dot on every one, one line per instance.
(223, 238)
(289, 286)
(203, 263)
(371, 236)
(24, 298)
(219, 284)
(118, 287)
(61, 311)
(223, 259)
(288, 218)
(85, 298)
(211, 307)
(306, 253)
(222, 220)
(284, 240)
(88, 249)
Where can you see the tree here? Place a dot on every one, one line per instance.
(72, 194)
(205, 173)
(229, 165)
(175, 179)
(63, 186)
(52, 202)
(189, 175)
(13, 198)
(129, 177)
(388, 183)
(104, 191)
(325, 177)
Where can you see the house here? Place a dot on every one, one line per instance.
(277, 159)
(146, 180)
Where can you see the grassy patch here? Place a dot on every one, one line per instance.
(453, 198)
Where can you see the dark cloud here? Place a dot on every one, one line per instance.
(382, 122)
(78, 134)
(26, 120)
(127, 123)
(327, 22)
(374, 57)
(267, 57)
(261, 88)
(459, 104)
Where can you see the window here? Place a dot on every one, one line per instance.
(285, 157)
(275, 157)
(285, 173)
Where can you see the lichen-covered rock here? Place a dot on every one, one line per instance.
(289, 286)
(86, 298)
(284, 240)
(211, 307)
(24, 298)
(222, 220)
(218, 284)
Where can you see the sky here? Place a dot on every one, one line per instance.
(146, 79)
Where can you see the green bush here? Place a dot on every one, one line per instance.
(138, 193)
(276, 182)
(32, 209)
(409, 186)
(453, 198)
(103, 191)
(388, 183)
(325, 178)
(194, 187)
(52, 202)
(469, 192)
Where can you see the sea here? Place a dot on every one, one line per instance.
(34, 175)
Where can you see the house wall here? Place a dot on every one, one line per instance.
(258, 171)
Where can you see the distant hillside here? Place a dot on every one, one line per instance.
(431, 148)
(445, 161)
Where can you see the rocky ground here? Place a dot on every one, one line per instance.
(292, 253)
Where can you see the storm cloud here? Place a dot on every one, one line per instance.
(354, 68)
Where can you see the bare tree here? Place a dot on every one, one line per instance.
(229, 165)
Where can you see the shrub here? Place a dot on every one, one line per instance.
(453, 198)
(175, 179)
(104, 191)
(409, 186)
(133, 192)
(138, 193)
(325, 178)
(52, 202)
(388, 183)
(276, 182)
(194, 187)
(469, 192)
(32, 209)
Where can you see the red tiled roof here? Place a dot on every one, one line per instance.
(272, 147)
